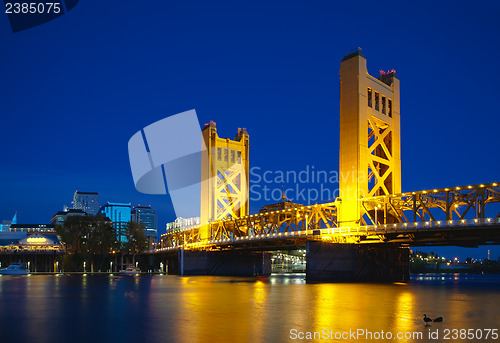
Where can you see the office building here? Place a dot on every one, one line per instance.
(86, 201)
(147, 216)
(120, 215)
(60, 217)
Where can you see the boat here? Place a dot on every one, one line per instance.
(16, 268)
(130, 271)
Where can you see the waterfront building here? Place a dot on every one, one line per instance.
(31, 228)
(24, 242)
(182, 223)
(87, 202)
(120, 214)
(60, 217)
(147, 216)
(7, 223)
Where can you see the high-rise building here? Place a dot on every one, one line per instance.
(87, 202)
(147, 216)
(120, 215)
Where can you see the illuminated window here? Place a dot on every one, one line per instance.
(389, 108)
(383, 104)
(376, 101)
(232, 156)
(369, 97)
(219, 154)
(239, 157)
(225, 155)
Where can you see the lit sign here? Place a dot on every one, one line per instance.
(39, 240)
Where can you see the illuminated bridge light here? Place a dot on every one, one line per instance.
(458, 188)
(481, 186)
(494, 184)
(435, 190)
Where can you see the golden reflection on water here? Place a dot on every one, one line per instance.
(405, 313)
(226, 309)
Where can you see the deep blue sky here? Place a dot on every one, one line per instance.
(74, 90)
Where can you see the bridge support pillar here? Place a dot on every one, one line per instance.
(237, 263)
(327, 262)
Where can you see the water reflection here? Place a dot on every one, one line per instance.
(203, 309)
(404, 317)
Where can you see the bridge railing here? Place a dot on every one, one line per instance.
(346, 231)
(434, 224)
(405, 211)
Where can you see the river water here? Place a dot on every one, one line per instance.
(280, 308)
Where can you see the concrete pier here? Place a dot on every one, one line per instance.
(230, 263)
(327, 262)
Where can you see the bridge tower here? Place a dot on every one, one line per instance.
(370, 152)
(224, 175)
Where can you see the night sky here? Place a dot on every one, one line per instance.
(74, 90)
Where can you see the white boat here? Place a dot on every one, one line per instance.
(130, 271)
(15, 268)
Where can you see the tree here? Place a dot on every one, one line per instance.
(74, 232)
(102, 238)
(136, 238)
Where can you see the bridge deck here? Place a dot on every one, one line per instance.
(384, 219)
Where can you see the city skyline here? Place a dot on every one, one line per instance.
(281, 83)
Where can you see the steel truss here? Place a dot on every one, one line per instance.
(380, 216)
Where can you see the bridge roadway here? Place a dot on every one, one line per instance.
(375, 249)
(461, 232)
(447, 216)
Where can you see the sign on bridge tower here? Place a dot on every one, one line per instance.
(370, 153)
